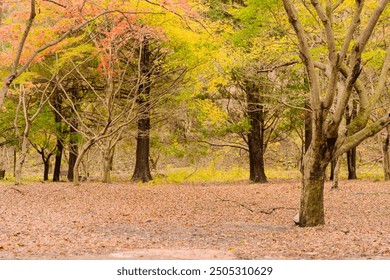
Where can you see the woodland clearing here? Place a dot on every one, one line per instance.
(234, 220)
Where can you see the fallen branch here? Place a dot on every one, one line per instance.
(233, 201)
(15, 189)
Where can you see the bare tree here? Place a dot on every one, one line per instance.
(27, 98)
(328, 140)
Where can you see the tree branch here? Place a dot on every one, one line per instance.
(355, 139)
(305, 55)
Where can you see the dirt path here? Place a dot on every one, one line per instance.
(194, 221)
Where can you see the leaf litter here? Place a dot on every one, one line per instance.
(191, 221)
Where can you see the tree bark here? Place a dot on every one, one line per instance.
(60, 137)
(46, 167)
(108, 156)
(312, 192)
(333, 164)
(73, 151)
(351, 154)
(22, 156)
(73, 135)
(58, 159)
(386, 154)
(308, 134)
(142, 168)
(336, 171)
(255, 111)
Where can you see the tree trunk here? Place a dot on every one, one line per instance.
(386, 154)
(351, 161)
(255, 111)
(80, 156)
(142, 168)
(46, 167)
(333, 164)
(22, 157)
(73, 135)
(336, 172)
(312, 192)
(73, 151)
(351, 154)
(108, 156)
(316, 159)
(60, 136)
(307, 125)
(58, 159)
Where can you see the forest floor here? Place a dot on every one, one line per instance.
(190, 221)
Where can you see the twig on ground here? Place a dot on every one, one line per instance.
(233, 201)
(15, 189)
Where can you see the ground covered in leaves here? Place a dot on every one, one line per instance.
(190, 221)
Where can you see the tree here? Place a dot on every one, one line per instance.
(142, 169)
(41, 138)
(328, 141)
(35, 97)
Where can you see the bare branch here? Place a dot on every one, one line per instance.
(273, 68)
(355, 139)
(337, 5)
(236, 146)
(55, 3)
(305, 54)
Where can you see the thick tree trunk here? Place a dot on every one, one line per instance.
(255, 112)
(316, 159)
(312, 192)
(386, 154)
(142, 168)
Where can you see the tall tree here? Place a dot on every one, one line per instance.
(142, 169)
(327, 140)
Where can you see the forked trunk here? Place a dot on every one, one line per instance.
(46, 167)
(80, 156)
